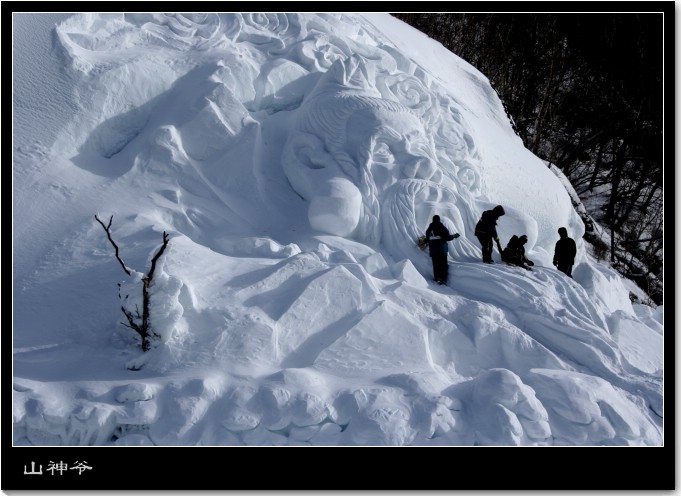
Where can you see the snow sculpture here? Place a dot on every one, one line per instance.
(375, 158)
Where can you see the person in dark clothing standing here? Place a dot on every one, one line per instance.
(565, 253)
(486, 232)
(438, 235)
(514, 253)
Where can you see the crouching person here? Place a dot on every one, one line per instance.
(514, 253)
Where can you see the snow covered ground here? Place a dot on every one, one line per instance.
(293, 160)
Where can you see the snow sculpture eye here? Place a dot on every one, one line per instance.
(383, 154)
(418, 145)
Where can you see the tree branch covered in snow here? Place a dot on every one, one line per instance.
(140, 324)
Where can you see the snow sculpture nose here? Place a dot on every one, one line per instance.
(421, 167)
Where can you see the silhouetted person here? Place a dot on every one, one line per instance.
(486, 232)
(565, 253)
(514, 253)
(438, 235)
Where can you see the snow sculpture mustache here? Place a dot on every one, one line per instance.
(368, 167)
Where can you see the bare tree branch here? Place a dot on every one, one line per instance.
(142, 328)
(147, 281)
(131, 320)
(108, 234)
(156, 257)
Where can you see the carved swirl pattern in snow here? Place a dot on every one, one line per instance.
(268, 31)
(410, 92)
(319, 53)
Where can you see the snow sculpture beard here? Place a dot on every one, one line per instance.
(408, 207)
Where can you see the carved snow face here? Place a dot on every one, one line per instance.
(369, 172)
(392, 146)
(369, 167)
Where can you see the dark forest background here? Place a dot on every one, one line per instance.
(585, 93)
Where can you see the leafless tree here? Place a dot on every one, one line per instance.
(139, 323)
